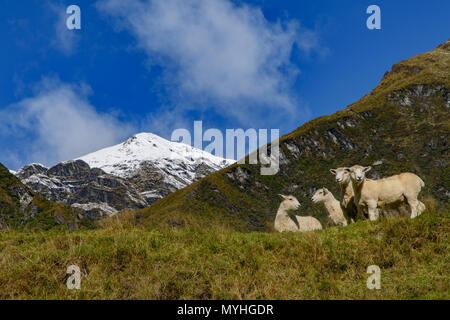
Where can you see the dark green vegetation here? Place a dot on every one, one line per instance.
(402, 125)
(21, 208)
(120, 261)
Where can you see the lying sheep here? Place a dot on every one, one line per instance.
(284, 222)
(371, 194)
(347, 194)
(332, 205)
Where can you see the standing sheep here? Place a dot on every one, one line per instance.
(370, 194)
(347, 194)
(331, 204)
(284, 222)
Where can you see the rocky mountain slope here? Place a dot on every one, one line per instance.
(21, 208)
(402, 125)
(130, 175)
(93, 191)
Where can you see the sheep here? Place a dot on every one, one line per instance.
(285, 222)
(404, 187)
(347, 198)
(347, 194)
(332, 205)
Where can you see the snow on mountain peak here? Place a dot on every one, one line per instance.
(125, 159)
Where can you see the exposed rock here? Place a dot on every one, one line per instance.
(24, 195)
(240, 174)
(131, 175)
(74, 183)
(378, 162)
(293, 148)
(22, 208)
(31, 169)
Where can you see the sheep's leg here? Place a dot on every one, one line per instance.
(421, 208)
(373, 211)
(414, 205)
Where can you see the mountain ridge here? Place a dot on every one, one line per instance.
(402, 125)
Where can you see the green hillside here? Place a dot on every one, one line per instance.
(21, 208)
(402, 125)
(201, 242)
(121, 261)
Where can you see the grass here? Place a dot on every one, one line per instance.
(121, 261)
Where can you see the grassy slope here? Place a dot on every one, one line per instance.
(126, 262)
(407, 138)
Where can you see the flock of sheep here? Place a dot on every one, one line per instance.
(358, 195)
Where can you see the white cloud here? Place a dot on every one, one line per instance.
(57, 124)
(218, 54)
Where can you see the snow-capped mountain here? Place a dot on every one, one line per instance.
(179, 162)
(130, 175)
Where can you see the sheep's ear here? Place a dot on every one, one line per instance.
(333, 171)
(348, 170)
(325, 191)
(367, 169)
(282, 195)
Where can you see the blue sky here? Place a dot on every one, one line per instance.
(159, 65)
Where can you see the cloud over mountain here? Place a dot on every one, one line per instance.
(58, 123)
(218, 55)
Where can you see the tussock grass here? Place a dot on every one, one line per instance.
(121, 261)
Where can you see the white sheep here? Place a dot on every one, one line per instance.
(347, 194)
(285, 222)
(397, 189)
(332, 205)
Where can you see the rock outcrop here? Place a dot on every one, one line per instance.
(21, 208)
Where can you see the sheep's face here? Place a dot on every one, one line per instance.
(320, 195)
(342, 175)
(358, 173)
(290, 203)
